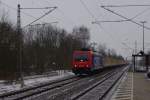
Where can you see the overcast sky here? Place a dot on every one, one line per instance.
(70, 13)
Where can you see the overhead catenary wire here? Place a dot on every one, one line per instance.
(63, 14)
(66, 17)
(40, 8)
(105, 21)
(106, 31)
(100, 26)
(130, 6)
(41, 16)
(112, 21)
(15, 9)
(90, 13)
(148, 28)
(126, 45)
(131, 20)
(98, 22)
(46, 1)
(125, 5)
(84, 5)
(8, 5)
(139, 14)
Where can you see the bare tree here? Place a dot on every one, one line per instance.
(102, 49)
(8, 48)
(82, 33)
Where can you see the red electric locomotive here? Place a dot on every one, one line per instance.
(86, 61)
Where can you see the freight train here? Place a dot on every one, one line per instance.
(86, 61)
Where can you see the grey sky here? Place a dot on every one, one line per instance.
(71, 13)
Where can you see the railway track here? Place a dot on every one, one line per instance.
(38, 90)
(30, 91)
(61, 93)
(76, 89)
(100, 89)
(93, 89)
(68, 89)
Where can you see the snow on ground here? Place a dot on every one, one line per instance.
(33, 81)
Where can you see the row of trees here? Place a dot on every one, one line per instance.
(44, 47)
(8, 48)
(49, 48)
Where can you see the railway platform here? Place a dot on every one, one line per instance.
(134, 86)
(141, 86)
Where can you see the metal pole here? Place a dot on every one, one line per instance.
(143, 22)
(20, 45)
(134, 68)
(18, 19)
(143, 36)
(135, 47)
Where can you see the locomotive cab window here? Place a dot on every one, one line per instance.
(81, 57)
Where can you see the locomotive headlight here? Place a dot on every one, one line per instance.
(75, 65)
(87, 65)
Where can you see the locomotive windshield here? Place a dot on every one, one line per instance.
(81, 57)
